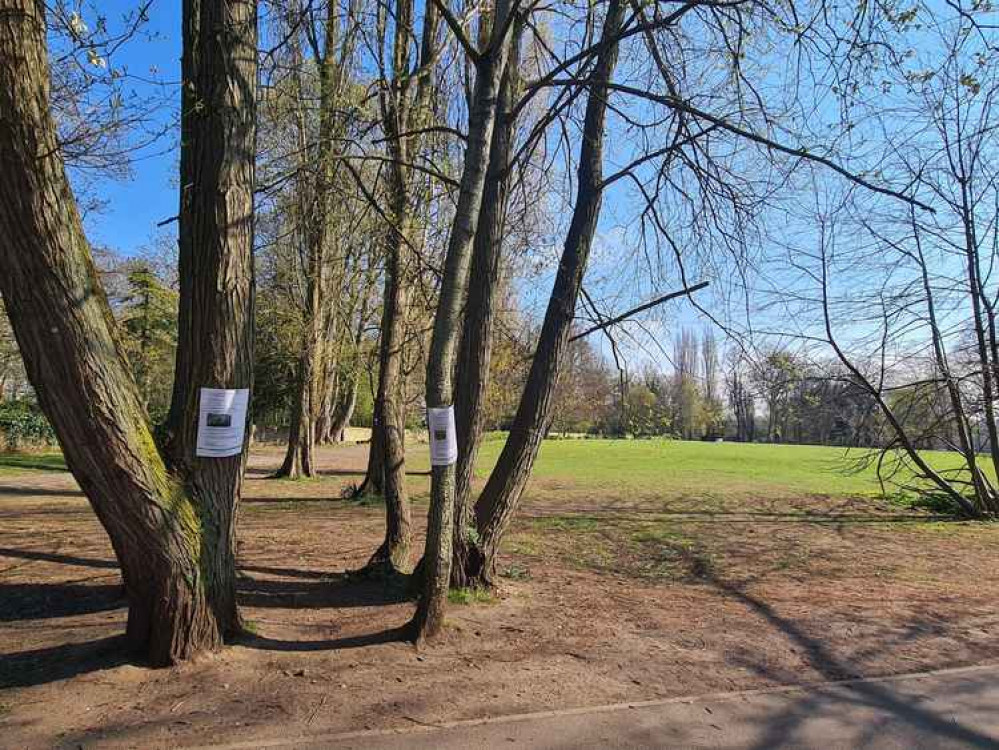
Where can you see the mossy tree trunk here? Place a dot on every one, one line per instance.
(169, 515)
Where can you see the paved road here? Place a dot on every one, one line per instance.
(956, 708)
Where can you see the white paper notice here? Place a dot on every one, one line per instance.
(443, 439)
(222, 421)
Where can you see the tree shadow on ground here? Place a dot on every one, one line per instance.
(780, 731)
(306, 589)
(44, 601)
(20, 490)
(315, 590)
(55, 557)
(332, 591)
(54, 663)
(391, 635)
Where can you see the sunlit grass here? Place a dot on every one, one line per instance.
(18, 463)
(677, 468)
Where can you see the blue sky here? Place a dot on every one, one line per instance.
(618, 277)
(137, 203)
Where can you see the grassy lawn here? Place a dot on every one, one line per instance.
(663, 468)
(676, 467)
(18, 463)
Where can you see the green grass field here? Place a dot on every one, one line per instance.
(664, 467)
(682, 467)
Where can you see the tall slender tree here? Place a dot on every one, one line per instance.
(490, 63)
(506, 484)
(405, 98)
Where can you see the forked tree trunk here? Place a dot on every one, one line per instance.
(475, 348)
(429, 617)
(172, 530)
(506, 484)
(343, 411)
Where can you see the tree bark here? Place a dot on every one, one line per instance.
(343, 411)
(506, 484)
(475, 348)
(403, 109)
(393, 553)
(489, 67)
(298, 455)
(172, 530)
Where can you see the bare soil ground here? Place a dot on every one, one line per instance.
(605, 598)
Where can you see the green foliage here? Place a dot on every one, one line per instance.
(147, 318)
(22, 424)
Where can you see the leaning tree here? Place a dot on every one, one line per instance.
(169, 514)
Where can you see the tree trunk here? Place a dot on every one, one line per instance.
(402, 115)
(984, 499)
(172, 532)
(390, 425)
(506, 484)
(343, 411)
(374, 476)
(988, 368)
(429, 617)
(297, 455)
(475, 349)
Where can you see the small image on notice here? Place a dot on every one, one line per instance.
(219, 420)
(440, 435)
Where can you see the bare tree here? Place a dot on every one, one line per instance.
(490, 63)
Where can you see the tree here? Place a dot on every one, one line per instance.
(906, 296)
(169, 514)
(474, 366)
(687, 406)
(498, 501)
(774, 375)
(741, 402)
(405, 99)
(320, 256)
(711, 409)
(490, 63)
(147, 315)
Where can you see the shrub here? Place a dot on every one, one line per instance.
(22, 424)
